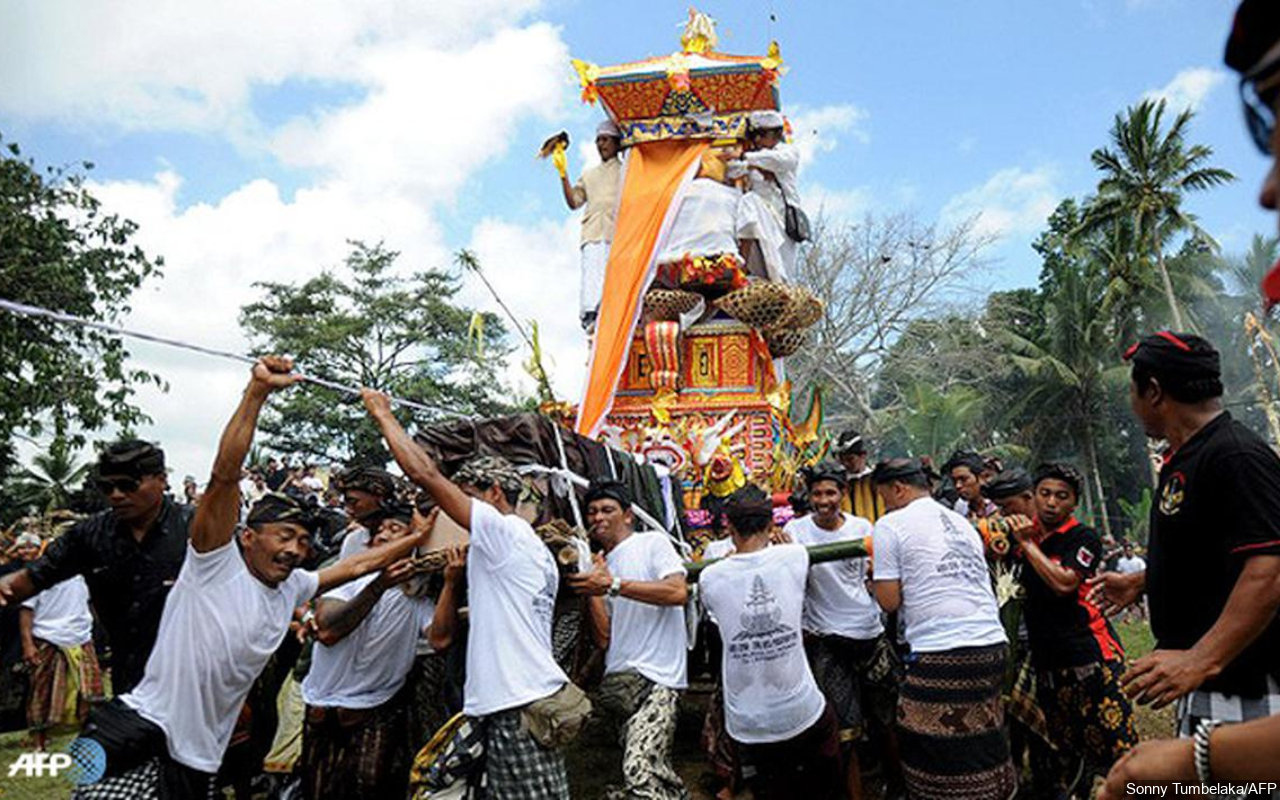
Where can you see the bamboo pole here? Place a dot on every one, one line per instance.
(818, 554)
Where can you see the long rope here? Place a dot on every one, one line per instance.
(68, 319)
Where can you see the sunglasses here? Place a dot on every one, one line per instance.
(126, 485)
(1259, 111)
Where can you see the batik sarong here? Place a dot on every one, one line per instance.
(951, 726)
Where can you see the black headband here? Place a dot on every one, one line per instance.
(1062, 472)
(849, 443)
(608, 489)
(1177, 359)
(367, 479)
(277, 507)
(132, 458)
(826, 471)
(898, 469)
(401, 512)
(1010, 483)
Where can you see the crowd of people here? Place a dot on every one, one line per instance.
(962, 647)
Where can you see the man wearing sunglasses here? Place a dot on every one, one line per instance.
(129, 556)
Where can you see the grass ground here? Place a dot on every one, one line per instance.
(595, 760)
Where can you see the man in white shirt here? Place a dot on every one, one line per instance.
(355, 740)
(598, 190)
(1128, 564)
(770, 165)
(851, 658)
(56, 627)
(513, 682)
(773, 709)
(226, 615)
(642, 629)
(929, 563)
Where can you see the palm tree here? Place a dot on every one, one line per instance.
(1144, 179)
(52, 477)
(1070, 382)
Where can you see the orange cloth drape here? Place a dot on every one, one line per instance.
(655, 172)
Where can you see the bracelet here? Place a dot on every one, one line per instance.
(615, 587)
(1200, 748)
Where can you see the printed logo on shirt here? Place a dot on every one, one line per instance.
(764, 637)
(1085, 556)
(544, 602)
(1173, 493)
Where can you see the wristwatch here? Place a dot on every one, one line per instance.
(1200, 748)
(615, 587)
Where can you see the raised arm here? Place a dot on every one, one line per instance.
(219, 510)
(444, 622)
(414, 461)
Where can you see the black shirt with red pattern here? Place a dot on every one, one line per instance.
(1217, 505)
(1067, 630)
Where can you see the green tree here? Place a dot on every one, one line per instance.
(1071, 382)
(59, 249)
(365, 323)
(1145, 174)
(53, 477)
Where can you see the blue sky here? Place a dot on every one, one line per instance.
(251, 141)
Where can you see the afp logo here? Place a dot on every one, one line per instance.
(84, 762)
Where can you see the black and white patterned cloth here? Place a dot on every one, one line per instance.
(647, 737)
(516, 766)
(1229, 709)
(140, 783)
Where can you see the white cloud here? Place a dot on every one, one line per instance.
(1189, 88)
(535, 269)
(433, 116)
(445, 87)
(819, 130)
(1012, 202)
(171, 64)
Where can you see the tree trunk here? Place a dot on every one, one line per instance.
(1092, 450)
(1168, 287)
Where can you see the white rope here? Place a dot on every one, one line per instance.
(564, 468)
(69, 319)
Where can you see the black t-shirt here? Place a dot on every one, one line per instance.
(1218, 504)
(1068, 630)
(128, 580)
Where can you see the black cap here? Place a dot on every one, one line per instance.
(131, 457)
(608, 488)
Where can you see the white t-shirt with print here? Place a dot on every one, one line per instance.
(60, 614)
(836, 600)
(220, 625)
(757, 599)
(511, 591)
(649, 639)
(947, 600)
(368, 666)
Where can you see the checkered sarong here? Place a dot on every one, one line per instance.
(141, 783)
(516, 766)
(1230, 709)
